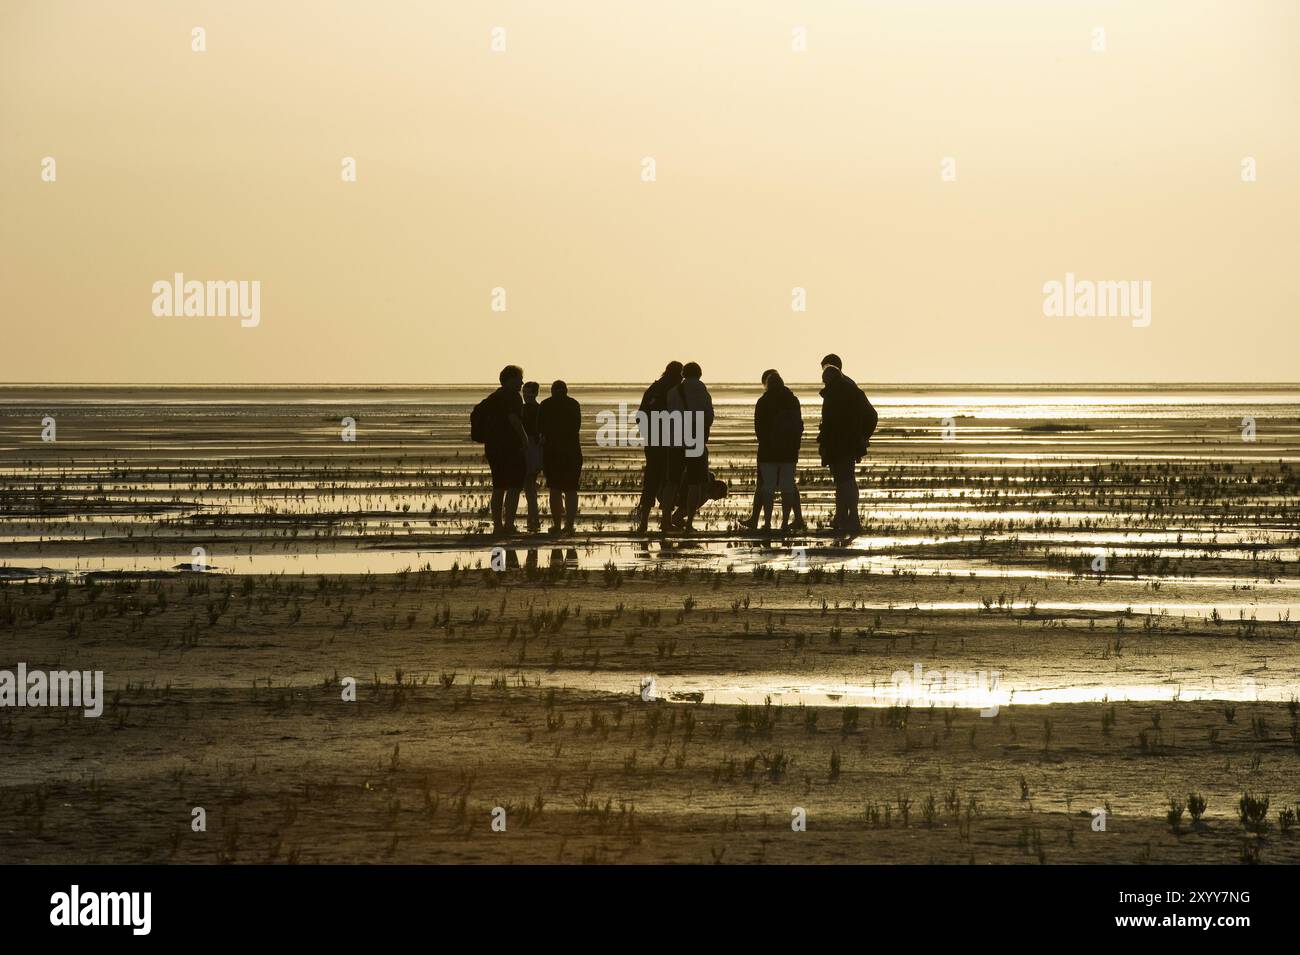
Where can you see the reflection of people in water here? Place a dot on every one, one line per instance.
(560, 557)
(559, 423)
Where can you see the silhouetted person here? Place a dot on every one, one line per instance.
(654, 484)
(504, 440)
(692, 399)
(847, 422)
(778, 424)
(560, 426)
(752, 522)
(532, 453)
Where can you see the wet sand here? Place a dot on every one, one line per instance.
(1169, 669)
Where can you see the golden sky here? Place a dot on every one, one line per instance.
(775, 169)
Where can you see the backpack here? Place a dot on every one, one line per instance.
(869, 420)
(480, 420)
(655, 399)
(787, 427)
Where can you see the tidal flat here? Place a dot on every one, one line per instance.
(1068, 605)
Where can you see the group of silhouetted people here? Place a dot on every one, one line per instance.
(675, 478)
(523, 439)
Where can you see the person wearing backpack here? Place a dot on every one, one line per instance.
(778, 425)
(560, 424)
(497, 422)
(655, 400)
(848, 419)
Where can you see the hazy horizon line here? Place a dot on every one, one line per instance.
(1251, 385)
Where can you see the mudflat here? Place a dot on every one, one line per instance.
(1067, 611)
